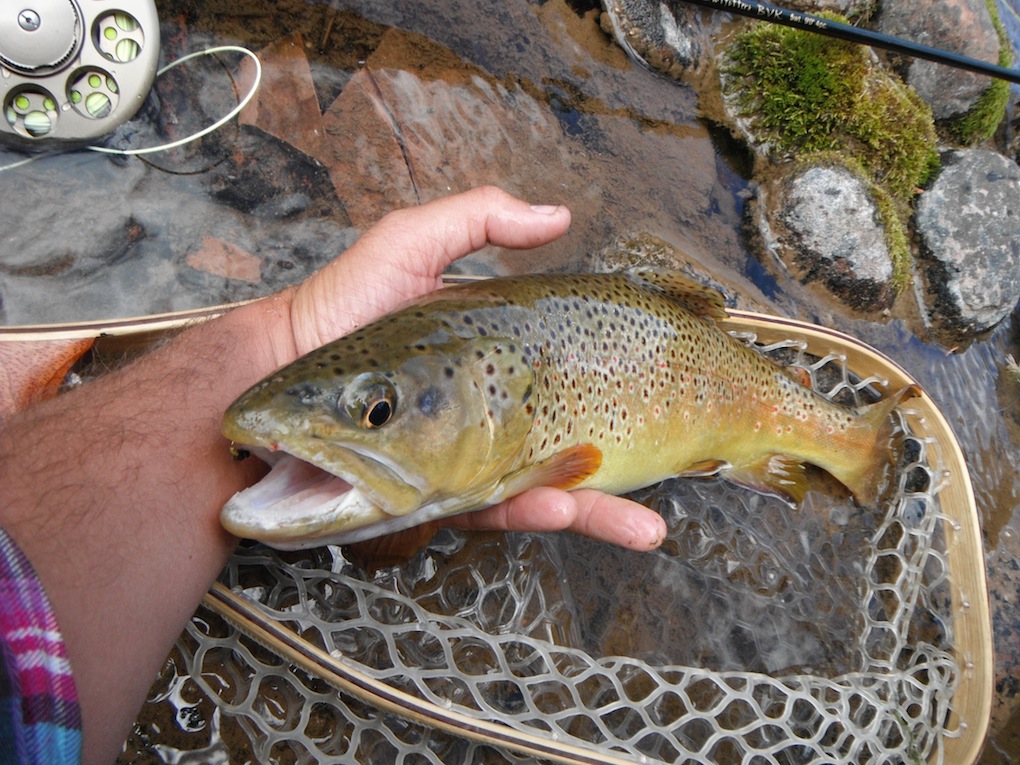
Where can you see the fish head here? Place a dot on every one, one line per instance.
(363, 444)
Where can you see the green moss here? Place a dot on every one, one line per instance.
(805, 93)
(895, 239)
(981, 122)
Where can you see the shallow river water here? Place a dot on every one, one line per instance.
(365, 107)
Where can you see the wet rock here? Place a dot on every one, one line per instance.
(958, 26)
(285, 104)
(968, 224)
(264, 173)
(829, 228)
(418, 122)
(665, 35)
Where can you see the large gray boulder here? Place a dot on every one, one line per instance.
(963, 27)
(968, 224)
(832, 232)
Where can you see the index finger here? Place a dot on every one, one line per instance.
(588, 512)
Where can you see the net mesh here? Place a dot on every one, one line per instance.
(758, 633)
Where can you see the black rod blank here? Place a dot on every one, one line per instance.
(771, 13)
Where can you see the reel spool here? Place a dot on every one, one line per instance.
(71, 71)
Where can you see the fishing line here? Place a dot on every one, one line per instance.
(211, 128)
(243, 102)
(805, 21)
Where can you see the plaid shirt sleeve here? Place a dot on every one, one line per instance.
(40, 720)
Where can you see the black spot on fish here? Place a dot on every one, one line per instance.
(431, 401)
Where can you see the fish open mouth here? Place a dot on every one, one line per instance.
(298, 505)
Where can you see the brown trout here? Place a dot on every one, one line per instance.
(483, 390)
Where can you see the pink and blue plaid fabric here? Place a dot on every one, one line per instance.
(40, 721)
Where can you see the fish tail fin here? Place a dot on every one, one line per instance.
(868, 478)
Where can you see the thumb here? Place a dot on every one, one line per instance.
(403, 256)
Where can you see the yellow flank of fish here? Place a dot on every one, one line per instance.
(478, 392)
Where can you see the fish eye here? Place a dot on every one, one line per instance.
(369, 401)
(379, 414)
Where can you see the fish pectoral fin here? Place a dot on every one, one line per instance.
(704, 469)
(699, 299)
(563, 470)
(774, 474)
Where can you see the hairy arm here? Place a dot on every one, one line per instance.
(113, 491)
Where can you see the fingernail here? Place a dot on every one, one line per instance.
(545, 209)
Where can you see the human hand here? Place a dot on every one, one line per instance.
(403, 257)
(103, 526)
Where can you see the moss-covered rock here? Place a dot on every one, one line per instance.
(981, 122)
(798, 92)
(967, 106)
(828, 222)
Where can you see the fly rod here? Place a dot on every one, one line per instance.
(771, 13)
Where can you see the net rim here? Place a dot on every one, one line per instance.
(971, 709)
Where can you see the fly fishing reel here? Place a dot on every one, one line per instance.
(73, 70)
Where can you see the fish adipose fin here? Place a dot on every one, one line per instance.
(564, 470)
(699, 299)
(774, 474)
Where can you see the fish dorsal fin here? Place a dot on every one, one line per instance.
(699, 299)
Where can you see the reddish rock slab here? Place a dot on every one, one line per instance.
(285, 105)
(216, 256)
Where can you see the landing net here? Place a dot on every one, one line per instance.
(756, 634)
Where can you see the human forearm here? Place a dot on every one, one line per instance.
(113, 492)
